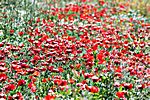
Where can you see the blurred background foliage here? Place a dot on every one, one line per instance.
(142, 5)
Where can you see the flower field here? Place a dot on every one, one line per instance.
(74, 50)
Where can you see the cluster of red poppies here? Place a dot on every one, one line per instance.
(78, 51)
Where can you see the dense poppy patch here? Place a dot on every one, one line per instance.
(84, 50)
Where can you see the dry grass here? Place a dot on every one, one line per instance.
(142, 5)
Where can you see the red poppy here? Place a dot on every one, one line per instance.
(79, 84)
(18, 96)
(57, 81)
(95, 47)
(118, 69)
(71, 81)
(38, 20)
(1, 44)
(87, 75)
(61, 16)
(49, 97)
(36, 73)
(20, 33)
(94, 89)
(120, 94)
(100, 56)
(101, 2)
(128, 85)
(37, 31)
(60, 69)
(3, 69)
(36, 57)
(50, 68)
(64, 83)
(95, 79)
(45, 37)
(141, 86)
(24, 65)
(10, 97)
(21, 82)
(70, 17)
(78, 66)
(83, 0)
(44, 80)
(3, 77)
(32, 86)
(12, 31)
(2, 96)
(119, 75)
(9, 87)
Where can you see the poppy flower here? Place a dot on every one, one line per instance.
(1, 44)
(118, 69)
(87, 75)
(78, 66)
(95, 79)
(18, 96)
(101, 2)
(3, 69)
(57, 81)
(128, 86)
(24, 65)
(49, 97)
(2, 96)
(10, 97)
(32, 86)
(94, 89)
(70, 17)
(36, 73)
(118, 75)
(100, 57)
(20, 33)
(71, 66)
(64, 83)
(45, 37)
(37, 20)
(79, 84)
(21, 82)
(117, 84)
(71, 81)
(61, 16)
(95, 47)
(60, 69)
(44, 80)
(12, 31)
(120, 94)
(141, 86)
(50, 68)
(83, 0)
(36, 57)
(9, 87)
(3, 77)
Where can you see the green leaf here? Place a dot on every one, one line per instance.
(107, 59)
(103, 77)
(110, 49)
(120, 89)
(70, 33)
